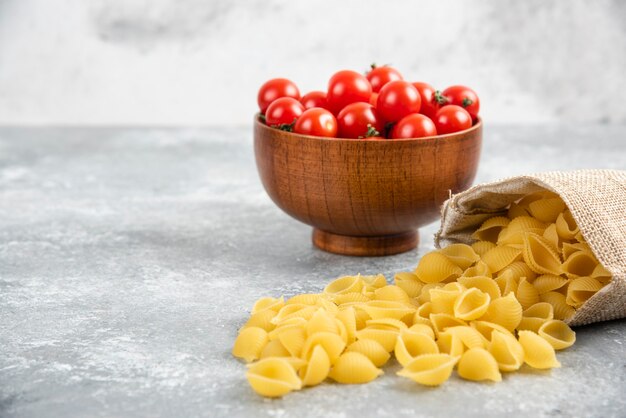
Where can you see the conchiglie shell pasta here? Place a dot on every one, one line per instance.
(546, 210)
(507, 283)
(373, 282)
(490, 229)
(424, 297)
(526, 294)
(377, 309)
(385, 337)
(345, 284)
(561, 309)
(566, 226)
(317, 368)
(348, 318)
(274, 349)
(548, 283)
(293, 340)
(442, 300)
(515, 211)
(304, 299)
(538, 353)
(505, 311)
(540, 255)
(558, 334)
(250, 343)
(478, 269)
(410, 345)
(354, 297)
(354, 368)
(518, 270)
(506, 350)
(371, 349)
(423, 329)
(387, 323)
(273, 377)
(469, 336)
(296, 310)
(500, 257)
(430, 369)
(409, 282)
(483, 283)
(331, 343)
(262, 320)
(450, 343)
(535, 316)
(435, 268)
(478, 364)
(582, 288)
(268, 303)
(580, 263)
(471, 304)
(481, 247)
(552, 236)
(487, 329)
(460, 254)
(442, 321)
(391, 293)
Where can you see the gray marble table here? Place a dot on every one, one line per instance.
(129, 258)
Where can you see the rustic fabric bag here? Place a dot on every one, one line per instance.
(597, 200)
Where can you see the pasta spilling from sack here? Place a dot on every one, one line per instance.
(484, 309)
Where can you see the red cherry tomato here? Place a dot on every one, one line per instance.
(464, 97)
(414, 125)
(317, 122)
(274, 89)
(346, 87)
(429, 106)
(398, 99)
(314, 99)
(452, 118)
(379, 76)
(359, 120)
(373, 99)
(283, 112)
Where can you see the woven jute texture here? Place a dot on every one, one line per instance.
(597, 200)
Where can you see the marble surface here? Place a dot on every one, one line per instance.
(130, 257)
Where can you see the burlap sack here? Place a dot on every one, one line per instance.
(597, 200)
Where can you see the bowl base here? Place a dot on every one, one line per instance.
(365, 246)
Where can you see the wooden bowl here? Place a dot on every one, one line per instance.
(365, 197)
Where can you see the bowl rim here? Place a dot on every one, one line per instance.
(475, 127)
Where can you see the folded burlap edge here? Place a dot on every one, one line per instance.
(597, 200)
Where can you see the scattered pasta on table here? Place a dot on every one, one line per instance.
(485, 309)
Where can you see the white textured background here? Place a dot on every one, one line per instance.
(201, 62)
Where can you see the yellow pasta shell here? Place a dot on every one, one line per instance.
(317, 368)
(436, 268)
(378, 309)
(391, 293)
(481, 247)
(535, 316)
(442, 300)
(505, 311)
(487, 328)
(385, 337)
(354, 297)
(450, 343)
(262, 319)
(507, 283)
(331, 343)
(371, 349)
(304, 299)
(273, 377)
(293, 340)
(483, 283)
(410, 345)
(478, 364)
(430, 369)
(409, 282)
(386, 323)
(422, 314)
(424, 296)
(268, 303)
(471, 304)
(506, 350)
(250, 343)
(526, 294)
(348, 318)
(549, 282)
(345, 284)
(354, 368)
(515, 211)
(478, 269)
(423, 328)
(460, 254)
(500, 257)
(519, 269)
(552, 236)
(580, 263)
(374, 281)
(490, 229)
(561, 309)
(538, 353)
(581, 289)
(526, 223)
(546, 210)
(558, 334)
(296, 310)
(540, 255)
(442, 321)
(566, 226)
(321, 321)
(469, 336)
(274, 349)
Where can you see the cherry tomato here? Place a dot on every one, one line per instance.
(414, 125)
(452, 118)
(314, 99)
(359, 120)
(464, 97)
(283, 112)
(373, 99)
(429, 106)
(379, 76)
(274, 89)
(317, 122)
(398, 99)
(347, 87)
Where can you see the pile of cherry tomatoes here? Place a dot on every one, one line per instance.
(379, 104)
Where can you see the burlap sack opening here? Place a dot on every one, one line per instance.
(597, 200)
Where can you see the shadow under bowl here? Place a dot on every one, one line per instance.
(365, 197)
